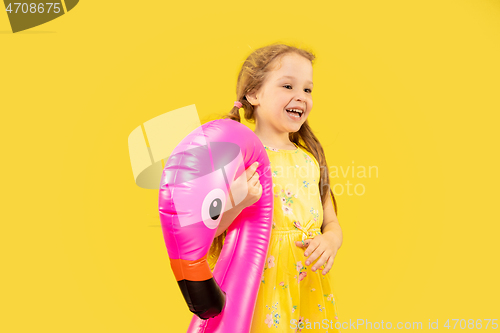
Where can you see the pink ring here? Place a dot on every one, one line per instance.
(238, 104)
(207, 162)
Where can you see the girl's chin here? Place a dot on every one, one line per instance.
(295, 123)
(293, 128)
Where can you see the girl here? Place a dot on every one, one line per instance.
(274, 88)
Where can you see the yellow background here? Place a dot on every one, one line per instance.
(410, 87)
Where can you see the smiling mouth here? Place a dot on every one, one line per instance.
(295, 113)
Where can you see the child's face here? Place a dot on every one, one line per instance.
(288, 86)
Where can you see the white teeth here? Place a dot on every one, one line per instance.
(296, 110)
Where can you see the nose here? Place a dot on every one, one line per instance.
(301, 97)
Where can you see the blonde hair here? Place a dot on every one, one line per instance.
(250, 79)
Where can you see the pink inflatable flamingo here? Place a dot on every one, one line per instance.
(195, 190)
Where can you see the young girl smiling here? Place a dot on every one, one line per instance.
(275, 90)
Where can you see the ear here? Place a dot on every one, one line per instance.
(252, 98)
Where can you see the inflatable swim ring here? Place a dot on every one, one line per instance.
(195, 190)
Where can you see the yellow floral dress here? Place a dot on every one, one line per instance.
(293, 298)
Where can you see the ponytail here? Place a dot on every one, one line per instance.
(234, 114)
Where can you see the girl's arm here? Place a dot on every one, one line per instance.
(326, 245)
(228, 218)
(254, 193)
(331, 224)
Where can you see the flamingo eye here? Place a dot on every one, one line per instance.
(212, 207)
(215, 208)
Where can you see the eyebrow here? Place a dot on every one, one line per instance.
(291, 77)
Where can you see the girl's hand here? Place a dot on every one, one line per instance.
(252, 184)
(324, 247)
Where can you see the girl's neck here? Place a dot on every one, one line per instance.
(274, 140)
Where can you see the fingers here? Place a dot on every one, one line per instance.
(315, 255)
(254, 180)
(254, 188)
(313, 252)
(304, 244)
(311, 247)
(314, 249)
(321, 261)
(326, 260)
(329, 265)
(251, 170)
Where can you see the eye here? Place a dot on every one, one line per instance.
(212, 208)
(306, 90)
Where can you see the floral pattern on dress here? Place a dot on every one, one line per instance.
(269, 264)
(271, 149)
(269, 320)
(314, 213)
(289, 289)
(331, 299)
(300, 324)
(303, 324)
(301, 269)
(286, 197)
(297, 225)
(287, 210)
(273, 318)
